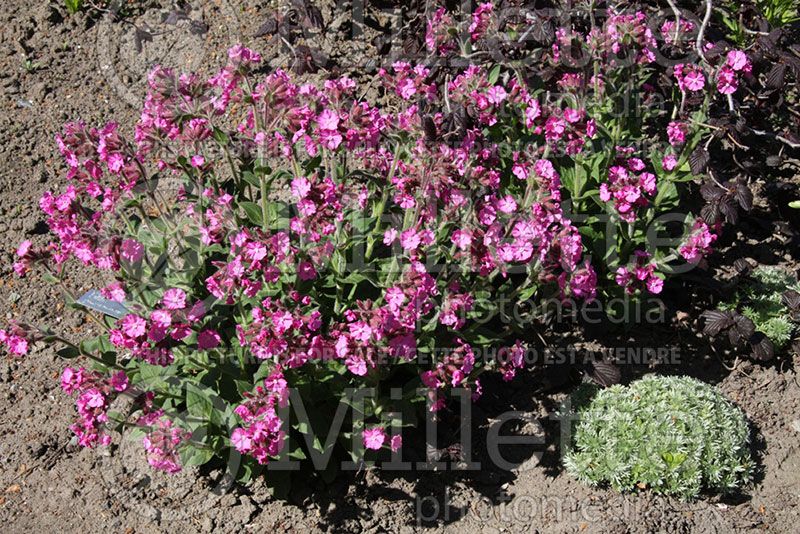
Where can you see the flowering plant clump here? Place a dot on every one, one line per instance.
(263, 236)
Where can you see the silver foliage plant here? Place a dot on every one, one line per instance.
(669, 434)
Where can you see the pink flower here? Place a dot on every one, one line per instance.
(406, 88)
(699, 242)
(239, 55)
(374, 438)
(208, 339)
(394, 297)
(306, 271)
(639, 274)
(480, 20)
(301, 187)
(532, 112)
(395, 443)
(726, 81)
(328, 120)
(584, 282)
(404, 346)
(114, 292)
(131, 250)
(496, 94)
(647, 181)
(694, 80)
(410, 239)
(17, 345)
(162, 445)
(736, 59)
(676, 131)
(196, 312)
(161, 317)
(669, 162)
(115, 162)
(356, 365)
(23, 248)
(93, 398)
(180, 331)
(389, 236)
(241, 440)
(198, 161)
(134, 326)
(360, 331)
(507, 204)
(654, 285)
(260, 435)
(119, 381)
(462, 239)
(174, 299)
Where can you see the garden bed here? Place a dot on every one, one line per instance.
(58, 67)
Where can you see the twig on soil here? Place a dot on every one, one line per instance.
(780, 138)
(734, 367)
(677, 19)
(702, 32)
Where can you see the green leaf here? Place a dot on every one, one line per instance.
(667, 193)
(298, 454)
(221, 137)
(312, 164)
(253, 212)
(73, 6)
(795, 204)
(69, 353)
(196, 455)
(198, 403)
(494, 74)
(251, 178)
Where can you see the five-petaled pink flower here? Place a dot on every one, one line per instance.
(174, 299)
(374, 438)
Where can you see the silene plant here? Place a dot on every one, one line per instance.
(265, 243)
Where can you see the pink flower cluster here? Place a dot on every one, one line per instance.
(699, 242)
(510, 359)
(452, 192)
(451, 372)
(256, 258)
(162, 444)
(26, 258)
(17, 339)
(677, 34)
(736, 64)
(676, 132)
(481, 19)
(407, 81)
(95, 394)
(628, 185)
(639, 275)
(629, 32)
(261, 436)
(151, 339)
(372, 333)
(438, 36)
(692, 78)
(285, 333)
